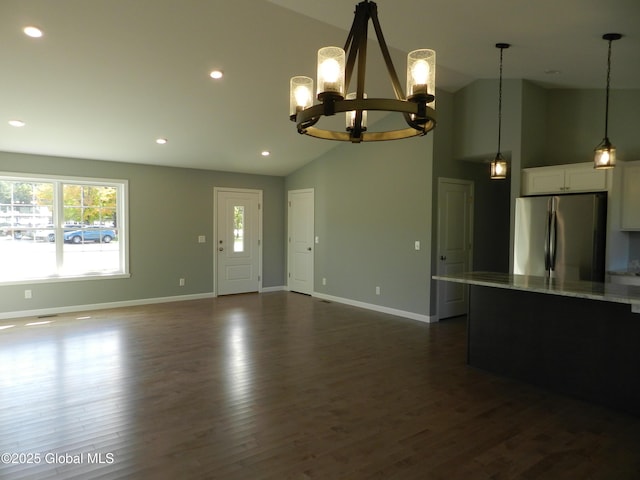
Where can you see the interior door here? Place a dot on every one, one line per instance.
(238, 241)
(455, 224)
(301, 237)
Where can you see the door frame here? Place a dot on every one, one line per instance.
(217, 190)
(310, 191)
(471, 186)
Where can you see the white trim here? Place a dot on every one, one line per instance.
(439, 222)
(122, 211)
(378, 308)
(311, 192)
(279, 288)
(103, 306)
(216, 191)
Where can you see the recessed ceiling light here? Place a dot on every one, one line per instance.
(216, 74)
(32, 31)
(161, 141)
(265, 153)
(17, 123)
(552, 72)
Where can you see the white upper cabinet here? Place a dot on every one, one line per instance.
(631, 197)
(572, 178)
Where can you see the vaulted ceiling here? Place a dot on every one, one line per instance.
(109, 77)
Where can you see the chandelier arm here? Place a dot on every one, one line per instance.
(354, 41)
(421, 127)
(304, 125)
(356, 132)
(395, 82)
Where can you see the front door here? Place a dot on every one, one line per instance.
(300, 246)
(238, 240)
(455, 222)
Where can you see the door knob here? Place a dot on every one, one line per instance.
(443, 257)
(220, 249)
(309, 248)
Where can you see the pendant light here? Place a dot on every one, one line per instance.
(605, 153)
(499, 164)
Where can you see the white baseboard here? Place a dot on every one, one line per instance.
(199, 296)
(273, 289)
(378, 308)
(102, 306)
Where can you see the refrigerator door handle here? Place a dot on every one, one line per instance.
(552, 241)
(547, 243)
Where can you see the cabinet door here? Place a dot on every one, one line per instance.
(631, 198)
(543, 180)
(585, 178)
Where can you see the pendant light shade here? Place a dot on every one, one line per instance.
(499, 164)
(498, 168)
(605, 153)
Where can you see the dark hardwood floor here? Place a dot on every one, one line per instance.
(282, 386)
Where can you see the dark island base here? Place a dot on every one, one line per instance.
(584, 348)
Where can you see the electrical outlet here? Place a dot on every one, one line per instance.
(324, 281)
(377, 290)
(27, 294)
(181, 282)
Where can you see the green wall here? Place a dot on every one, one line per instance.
(491, 197)
(168, 209)
(372, 202)
(575, 124)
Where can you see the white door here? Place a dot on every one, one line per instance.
(300, 249)
(238, 248)
(455, 225)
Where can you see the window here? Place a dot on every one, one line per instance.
(55, 228)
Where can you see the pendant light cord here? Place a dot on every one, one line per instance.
(500, 102)
(606, 115)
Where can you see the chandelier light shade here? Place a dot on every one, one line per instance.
(421, 73)
(351, 116)
(336, 68)
(499, 164)
(331, 64)
(301, 94)
(605, 152)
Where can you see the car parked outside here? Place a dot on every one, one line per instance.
(47, 234)
(89, 234)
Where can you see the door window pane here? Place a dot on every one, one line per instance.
(238, 228)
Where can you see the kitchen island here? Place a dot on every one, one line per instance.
(574, 337)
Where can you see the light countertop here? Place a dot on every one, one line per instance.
(608, 292)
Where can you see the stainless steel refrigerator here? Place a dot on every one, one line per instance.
(561, 236)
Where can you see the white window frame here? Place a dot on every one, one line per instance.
(122, 212)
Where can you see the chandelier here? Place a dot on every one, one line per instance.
(335, 70)
(605, 152)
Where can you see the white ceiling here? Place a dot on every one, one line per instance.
(110, 76)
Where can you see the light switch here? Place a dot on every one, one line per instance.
(202, 239)
(317, 239)
(417, 245)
